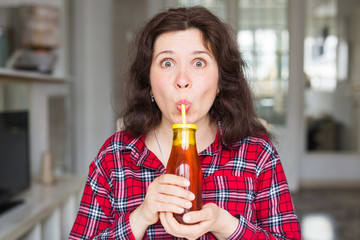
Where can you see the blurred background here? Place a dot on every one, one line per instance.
(62, 61)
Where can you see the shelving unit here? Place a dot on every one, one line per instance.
(25, 76)
(41, 88)
(48, 212)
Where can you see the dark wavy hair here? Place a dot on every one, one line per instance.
(233, 106)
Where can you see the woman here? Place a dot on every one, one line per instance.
(187, 56)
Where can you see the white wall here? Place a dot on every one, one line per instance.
(95, 66)
(92, 79)
(330, 170)
(290, 137)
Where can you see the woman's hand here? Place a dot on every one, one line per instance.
(210, 218)
(165, 194)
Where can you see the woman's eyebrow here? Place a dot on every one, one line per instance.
(202, 52)
(163, 52)
(193, 53)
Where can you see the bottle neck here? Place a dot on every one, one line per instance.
(184, 137)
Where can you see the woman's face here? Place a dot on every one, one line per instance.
(183, 71)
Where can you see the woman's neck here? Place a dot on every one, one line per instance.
(159, 139)
(205, 134)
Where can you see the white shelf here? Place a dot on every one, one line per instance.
(27, 76)
(46, 209)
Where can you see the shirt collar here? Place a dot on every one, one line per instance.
(137, 148)
(216, 147)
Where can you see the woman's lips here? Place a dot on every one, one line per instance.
(183, 101)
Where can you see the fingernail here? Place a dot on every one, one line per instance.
(181, 210)
(192, 196)
(186, 218)
(188, 205)
(186, 183)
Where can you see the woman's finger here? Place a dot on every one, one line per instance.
(173, 179)
(164, 222)
(173, 227)
(175, 191)
(168, 207)
(205, 214)
(176, 201)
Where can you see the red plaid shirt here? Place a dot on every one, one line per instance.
(246, 179)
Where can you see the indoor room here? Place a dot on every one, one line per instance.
(62, 69)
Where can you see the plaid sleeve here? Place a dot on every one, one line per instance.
(96, 218)
(275, 213)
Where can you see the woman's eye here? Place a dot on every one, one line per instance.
(199, 63)
(166, 64)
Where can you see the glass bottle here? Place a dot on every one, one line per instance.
(184, 161)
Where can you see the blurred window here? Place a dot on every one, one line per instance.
(262, 36)
(331, 65)
(264, 41)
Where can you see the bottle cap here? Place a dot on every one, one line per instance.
(184, 125)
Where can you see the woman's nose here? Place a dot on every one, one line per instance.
(182, 80)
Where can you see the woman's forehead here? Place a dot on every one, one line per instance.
(191, 39)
